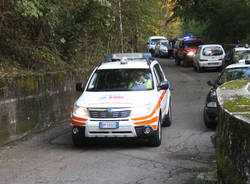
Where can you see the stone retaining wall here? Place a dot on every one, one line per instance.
(33, 103)
(232, 141)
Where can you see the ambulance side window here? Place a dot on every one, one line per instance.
(158, 73)
(157, 78)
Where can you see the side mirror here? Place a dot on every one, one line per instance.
(164, 85)
(211, 83)
(80, 87)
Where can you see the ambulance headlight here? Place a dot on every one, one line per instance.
(141, 110)
(80, 111)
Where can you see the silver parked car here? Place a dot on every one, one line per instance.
(208, 56)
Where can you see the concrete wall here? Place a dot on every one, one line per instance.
(33, 103)
(232, 147)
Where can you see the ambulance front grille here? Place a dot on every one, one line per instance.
(109, 113)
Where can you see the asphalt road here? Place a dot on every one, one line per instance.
(50, 158)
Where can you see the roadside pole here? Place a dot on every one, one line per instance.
(121, 29)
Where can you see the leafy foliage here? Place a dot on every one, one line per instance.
(218, 21)
(39, 33)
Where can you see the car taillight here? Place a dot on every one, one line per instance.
(201, 60)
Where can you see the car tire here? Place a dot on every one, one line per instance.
(206, 121)
(194, 67)
(77, 141)
(167, 120)
(155, 141)
(177, 61)
(185, 63)
(199, 69)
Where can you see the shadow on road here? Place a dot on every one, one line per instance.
(64, 139)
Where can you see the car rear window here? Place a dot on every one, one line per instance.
(121, 80)
(212, 51)
(154, 41)
(165, 43)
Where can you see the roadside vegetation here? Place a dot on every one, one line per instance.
(45, 36)
(42, 36)
(238, 104)
(223, 21)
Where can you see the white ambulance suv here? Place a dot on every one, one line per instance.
(125, 97)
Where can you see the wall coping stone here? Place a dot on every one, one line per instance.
(226, 94)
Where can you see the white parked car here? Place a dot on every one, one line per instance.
(152, 42)
(163, 49)
(126, 97)
(208, 56)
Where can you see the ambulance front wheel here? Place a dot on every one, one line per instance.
(77, 136)
(155, 141)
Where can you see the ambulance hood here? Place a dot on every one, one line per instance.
(115, 99)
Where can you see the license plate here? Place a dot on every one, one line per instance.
(213, 63)
(108, 124)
